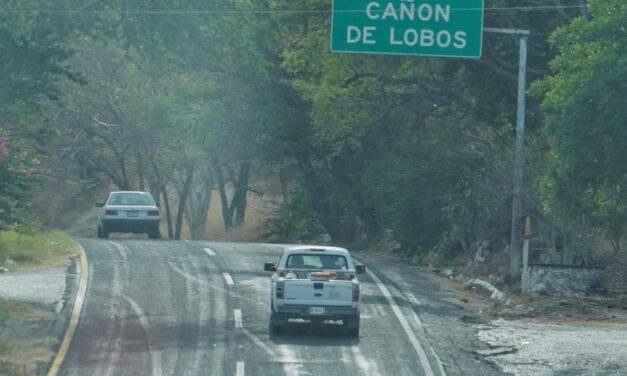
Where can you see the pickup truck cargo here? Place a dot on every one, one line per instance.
(316, 284)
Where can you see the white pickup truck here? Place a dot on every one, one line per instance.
(317, 284)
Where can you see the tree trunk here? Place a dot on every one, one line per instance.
(189, 174)
(200, 227)
(140, 168)
(240, 197)
(168, 212)
(125, 183)
(197, 209)
(227, 216)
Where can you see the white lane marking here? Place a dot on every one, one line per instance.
(206, 283)
(412, 299)
(240, 369)
(367, 366)
(237, 314)
(113, 331)
(422, 330)
(289, 359)
(155, 356)
(259, 342)
(210, 252)
(424, 361)
(228, 278)
(193, 290)
(381, 310)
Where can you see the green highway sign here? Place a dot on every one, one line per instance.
(451, 28)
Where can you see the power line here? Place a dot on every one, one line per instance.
(274, 11)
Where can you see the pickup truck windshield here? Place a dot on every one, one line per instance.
(322, 262)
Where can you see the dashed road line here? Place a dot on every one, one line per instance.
(210, 252)
(237, 314)
(422, 356)
(228, 278)
(240, 369)
(218, 288)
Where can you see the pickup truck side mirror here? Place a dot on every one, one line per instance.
(360, 269)
(269, 267)
(99, 204)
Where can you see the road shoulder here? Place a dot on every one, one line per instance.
(37, 306)
(540, 335)
(36, 312)
(446, 325)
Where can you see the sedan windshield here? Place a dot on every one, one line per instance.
(130, 199)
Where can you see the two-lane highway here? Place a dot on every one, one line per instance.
(201, 308)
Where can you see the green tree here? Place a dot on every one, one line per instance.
(584, 104)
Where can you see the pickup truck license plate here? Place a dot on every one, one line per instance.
(316, 310)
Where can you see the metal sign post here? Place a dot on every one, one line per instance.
(519, 152)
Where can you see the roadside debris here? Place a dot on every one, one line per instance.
(447, 272)
(503, 350)
(518, 311)
(496, 294)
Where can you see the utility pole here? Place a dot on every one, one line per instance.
(519, 157)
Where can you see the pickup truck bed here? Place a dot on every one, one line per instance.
(329, 291)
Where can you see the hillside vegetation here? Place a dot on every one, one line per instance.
(188, 99)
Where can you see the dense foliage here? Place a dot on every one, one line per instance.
(184, 98)
(584, 102)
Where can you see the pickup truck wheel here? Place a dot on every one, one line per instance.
(351, 324)
(277, 323)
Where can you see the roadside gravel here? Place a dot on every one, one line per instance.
(36, 314)
(535, 348)
(44, 287)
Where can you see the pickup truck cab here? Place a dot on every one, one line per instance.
(317, 284)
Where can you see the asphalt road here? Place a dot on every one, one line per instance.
(201, 308)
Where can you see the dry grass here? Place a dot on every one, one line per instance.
(21, 251)
(30, 344)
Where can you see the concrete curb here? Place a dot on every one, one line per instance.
(67, 301)
(77, 306)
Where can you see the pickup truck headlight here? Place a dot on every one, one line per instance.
(355, 292)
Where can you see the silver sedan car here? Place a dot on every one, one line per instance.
(126, 211)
